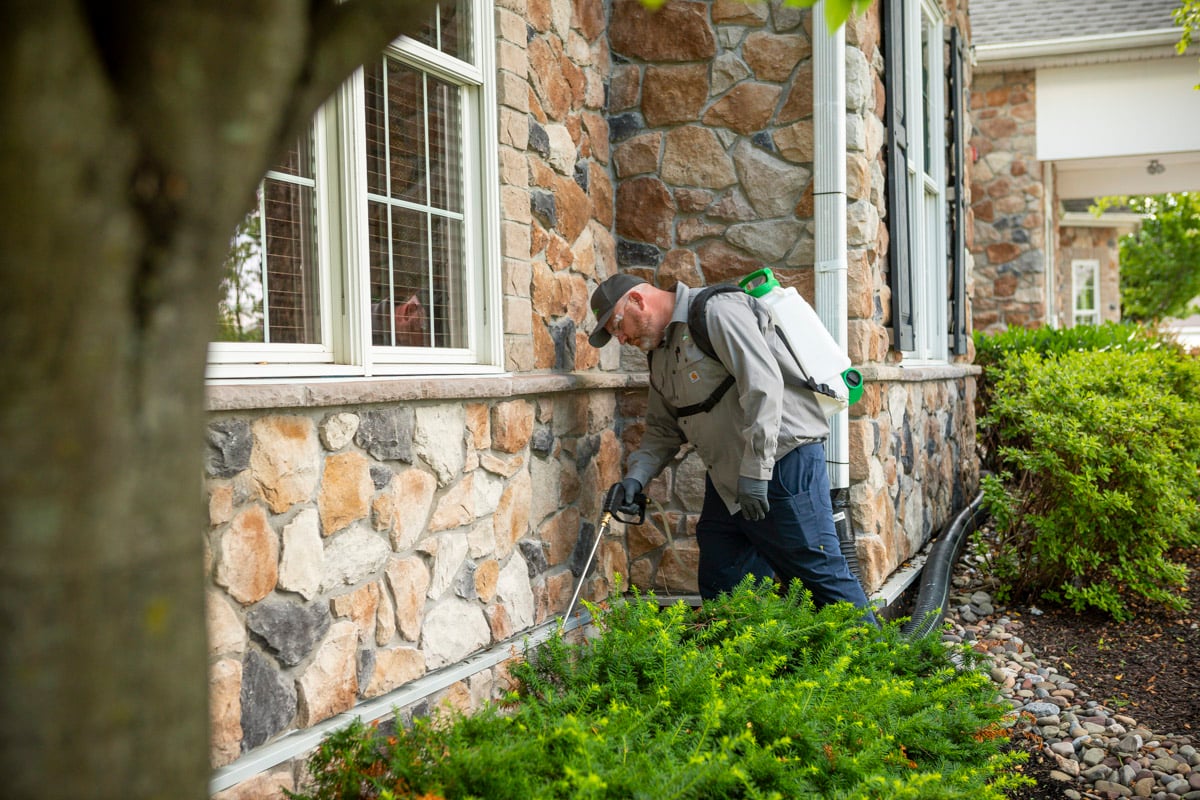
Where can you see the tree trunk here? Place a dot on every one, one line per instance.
(132, 142)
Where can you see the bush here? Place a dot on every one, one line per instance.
(749, 697)
(1097, 479)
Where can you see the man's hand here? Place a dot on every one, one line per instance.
(624, 496)
(752, 497)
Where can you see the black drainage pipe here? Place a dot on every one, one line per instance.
(930, 609)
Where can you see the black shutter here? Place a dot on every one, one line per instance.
(899, 219)
(958, 196)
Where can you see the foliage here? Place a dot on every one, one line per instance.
(1096, 453)
(751, 696)
(240, 302)
(1187, 17)
(1160, 263)
(991, 350)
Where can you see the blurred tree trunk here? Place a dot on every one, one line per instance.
(133, 136)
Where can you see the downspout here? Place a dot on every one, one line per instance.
(829, 198)
(1050, 242)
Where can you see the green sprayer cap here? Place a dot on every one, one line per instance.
(854, 383)
(759, 282)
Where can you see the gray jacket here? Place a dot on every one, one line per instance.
(764, 416)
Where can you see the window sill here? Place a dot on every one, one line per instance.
(919, 373)
(320, 393)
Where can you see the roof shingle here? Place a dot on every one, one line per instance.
(1011, 21)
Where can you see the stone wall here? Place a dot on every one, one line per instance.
(913, 463)
(354, 549)
(1007, 191)
(556, 186)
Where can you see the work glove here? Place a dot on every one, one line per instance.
(624, 497)
(752, 497)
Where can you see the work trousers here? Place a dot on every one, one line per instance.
(797, 539)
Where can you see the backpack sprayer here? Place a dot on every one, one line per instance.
(810, 343)
(610, 510)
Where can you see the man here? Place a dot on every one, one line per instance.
(760, 434)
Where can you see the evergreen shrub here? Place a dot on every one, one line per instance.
(1096, 480)
(752, 696)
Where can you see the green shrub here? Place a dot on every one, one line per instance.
(1111, 336)
(751, 697)
(1097, 480)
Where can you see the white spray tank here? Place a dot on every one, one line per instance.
(819, 355)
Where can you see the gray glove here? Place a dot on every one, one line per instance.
(752, 497)
(624, 494)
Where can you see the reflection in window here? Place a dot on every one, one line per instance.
(279, 255)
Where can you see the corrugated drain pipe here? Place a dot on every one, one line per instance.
(930, 606)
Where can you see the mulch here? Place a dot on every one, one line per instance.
(1147, 668)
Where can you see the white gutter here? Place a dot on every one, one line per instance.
(1095, 43)
(829, 196)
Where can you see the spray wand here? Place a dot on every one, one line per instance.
(631, 513)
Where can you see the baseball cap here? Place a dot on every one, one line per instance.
(604, 299)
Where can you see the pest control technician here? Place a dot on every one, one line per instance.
(758, 429)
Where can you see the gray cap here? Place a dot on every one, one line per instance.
(603, 300)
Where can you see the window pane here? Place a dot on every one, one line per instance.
(449, 325)
(445, 146)
(926, 89)
(279, 254)
(415, 201)
(240, 308)
(291, 280)
(456, 30)
(1085, 286)
(449, 30)
(406, 132)
(400, 286)
(376, 117)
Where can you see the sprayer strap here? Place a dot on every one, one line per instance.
(710, 403)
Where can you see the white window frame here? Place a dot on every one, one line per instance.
(1080, 316)
(927, 185)
(339, 147)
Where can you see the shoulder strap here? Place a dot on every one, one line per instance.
(697, 321)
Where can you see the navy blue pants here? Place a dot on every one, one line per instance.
(797, 540)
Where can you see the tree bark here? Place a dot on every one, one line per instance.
(134, 135)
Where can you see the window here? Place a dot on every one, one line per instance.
(916, 118)
(1085, 289)
(372, 246)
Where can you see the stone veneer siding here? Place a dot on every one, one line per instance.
(1007, 200)
(362, 534)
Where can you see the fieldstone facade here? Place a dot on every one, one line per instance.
(1008, 200)
(364, 535)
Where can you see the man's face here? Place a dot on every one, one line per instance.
(631, 323)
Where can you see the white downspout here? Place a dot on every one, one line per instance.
(829, 196)
(1050, 223)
